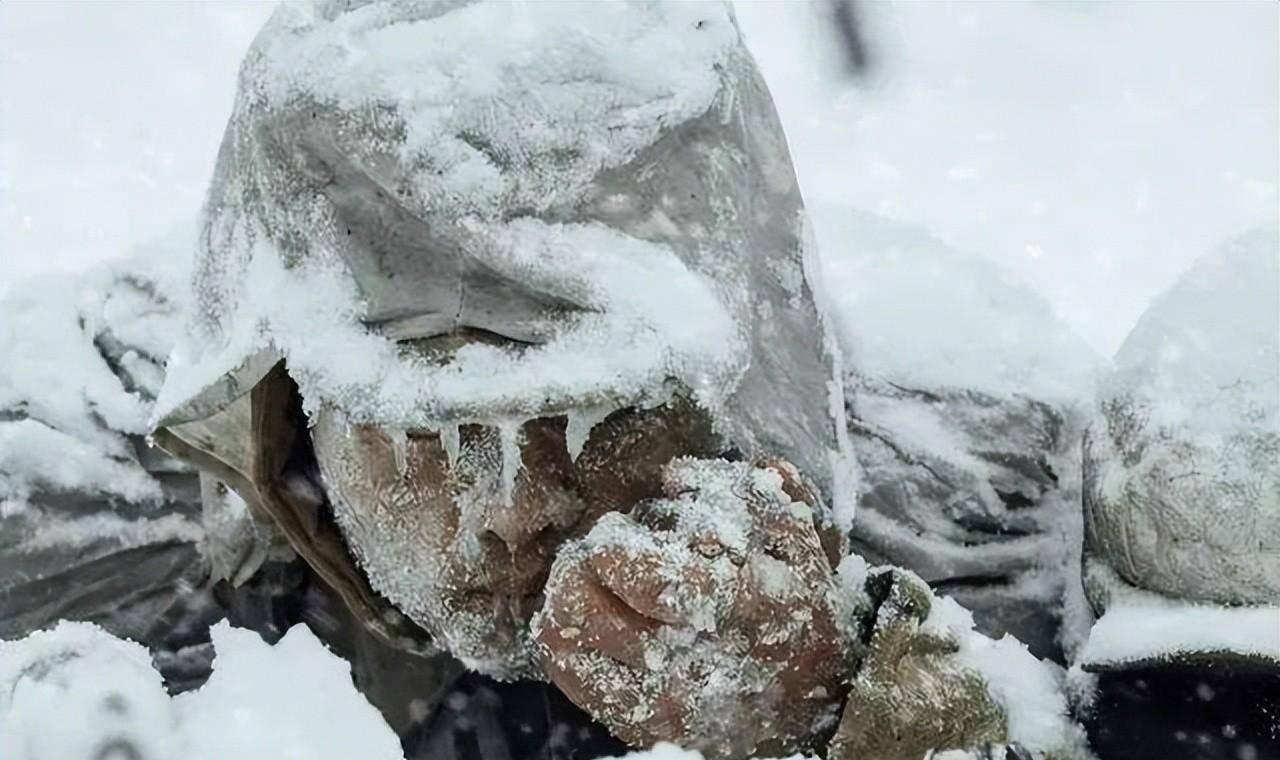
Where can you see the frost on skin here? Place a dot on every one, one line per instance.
(437, 535)
(709, 617)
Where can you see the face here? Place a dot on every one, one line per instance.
(458, 527)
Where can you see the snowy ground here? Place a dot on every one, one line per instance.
(1094, 150)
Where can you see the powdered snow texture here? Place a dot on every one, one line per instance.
(77, 692)
(915, 312)
(1206, 354)
(1029, 690)
(1159, 628)
(1140, 626)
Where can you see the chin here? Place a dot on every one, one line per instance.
(492, 638)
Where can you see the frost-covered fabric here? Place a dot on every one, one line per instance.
(83, 359)
(75, 691)
(977, 494)
(1182, 464)
(604, 185)
(94, 523)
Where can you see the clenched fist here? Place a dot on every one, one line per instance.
(709, 617)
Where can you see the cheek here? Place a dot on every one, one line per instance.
(624, 458)
(399, 485)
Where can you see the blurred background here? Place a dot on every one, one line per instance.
(1092, 150)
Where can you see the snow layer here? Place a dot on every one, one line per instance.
(250, 707)
(1206, 355)
(1139, 626)
(1157, 628)
(913, 311)
(592, 88)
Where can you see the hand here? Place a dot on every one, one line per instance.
(912, 695)
(709, 618)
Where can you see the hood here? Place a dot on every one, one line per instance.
(606, 186)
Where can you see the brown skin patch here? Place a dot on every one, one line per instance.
(760, 681)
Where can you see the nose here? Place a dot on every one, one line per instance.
(543, 502)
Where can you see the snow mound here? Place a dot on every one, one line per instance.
(913, 311)
(291, 700)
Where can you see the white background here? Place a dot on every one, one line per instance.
(1094, 149)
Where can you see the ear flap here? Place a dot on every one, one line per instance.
(283, 473)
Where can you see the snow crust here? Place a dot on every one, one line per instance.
(1028, 689)
(914, 311)
(75, 691)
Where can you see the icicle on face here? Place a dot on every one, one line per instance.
(450, 440)
(509, 435)
(579, 425)
(400, 448)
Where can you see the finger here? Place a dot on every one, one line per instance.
(668, 583)
(771, 607)
(611, 693)
(785, 531)
(793, 483)
(582, 614)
